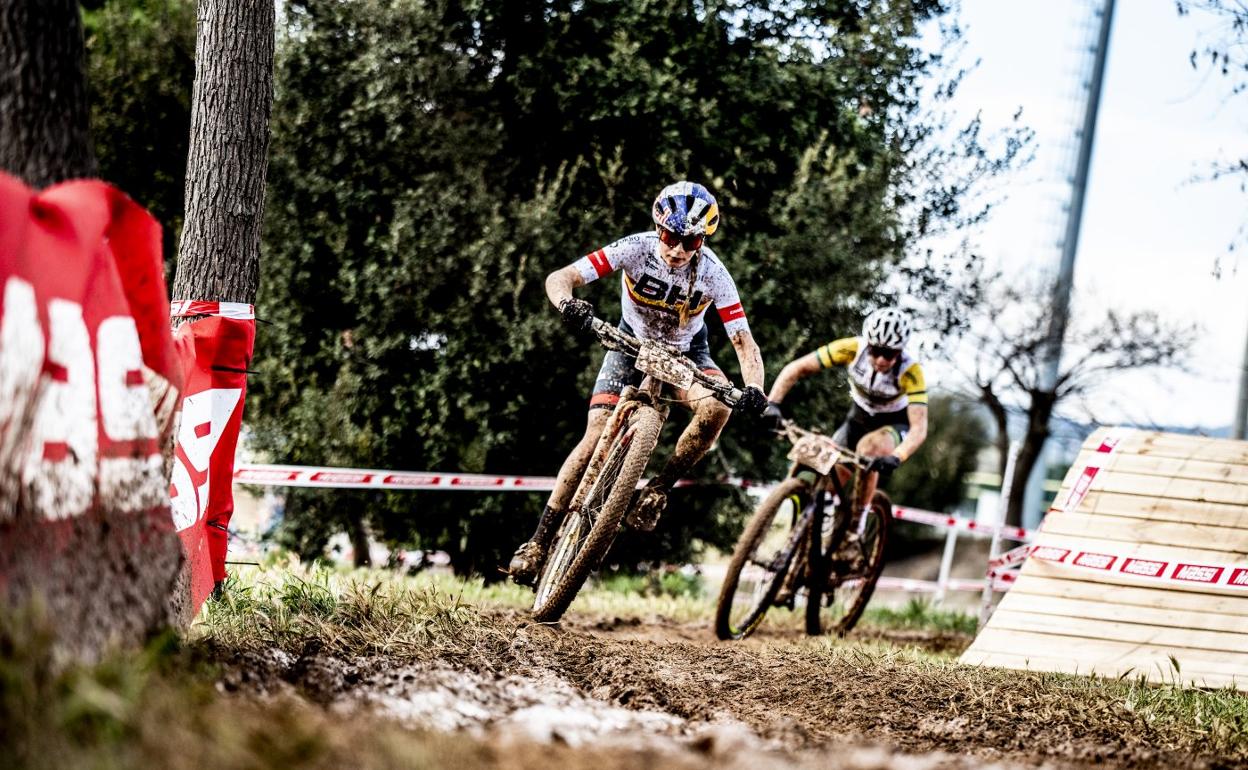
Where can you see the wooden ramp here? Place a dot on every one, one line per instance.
(1141, 567)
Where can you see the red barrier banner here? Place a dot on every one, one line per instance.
(216, 351)
(83, 334)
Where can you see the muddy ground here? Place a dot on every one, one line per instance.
(643, 692)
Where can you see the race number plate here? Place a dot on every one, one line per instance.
(664, 365)
(815, 451)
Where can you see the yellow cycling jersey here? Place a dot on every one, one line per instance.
(874, 391)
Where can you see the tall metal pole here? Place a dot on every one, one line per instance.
(1074, 220)
(1070, 244)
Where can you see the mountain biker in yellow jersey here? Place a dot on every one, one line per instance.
(888, 419)
(669, 278)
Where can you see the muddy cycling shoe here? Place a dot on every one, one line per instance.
(526, 563)
(647, 506)
(848, 557)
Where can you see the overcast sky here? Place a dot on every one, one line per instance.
(1151, 237)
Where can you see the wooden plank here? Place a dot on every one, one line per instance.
(1107, 609)
(1173, 489)
(1164, 637)
(1103, 655)
(1197, 677)
(1170, 467)
(1036, 587)
(1157, 444)
(1233, 543)
(1155, 509)
(1155, 496)
(1154, 665)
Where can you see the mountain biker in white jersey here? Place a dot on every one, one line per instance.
(888, 419)
(669, 278)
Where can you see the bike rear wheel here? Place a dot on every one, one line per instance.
(587, 534)
(761, 559)
(835, 604)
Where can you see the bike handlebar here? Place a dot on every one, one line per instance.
(793, 432)
(615, 338)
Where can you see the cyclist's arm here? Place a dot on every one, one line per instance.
(559, 284)
(836, 353)
(793, 371)
(749, 356)
(917, 414)
(914, 384)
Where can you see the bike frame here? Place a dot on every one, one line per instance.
(648, 393)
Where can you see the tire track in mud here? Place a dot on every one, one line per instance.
(649, 686)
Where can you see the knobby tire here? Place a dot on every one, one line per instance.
(760, 523)
(825, 591)
(576, 552)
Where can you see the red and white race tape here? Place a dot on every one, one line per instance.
(1185, 573)
(1010, 558)
(361, 478)
(240, 311)
(945, 521)
(358, 478)
(1084, 482)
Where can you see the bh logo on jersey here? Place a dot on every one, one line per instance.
(651, 290)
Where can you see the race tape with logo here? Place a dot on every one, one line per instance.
(365, 478)
(1171, 571)
(1233, 576)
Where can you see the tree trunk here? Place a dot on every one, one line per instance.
(359, 540)
(44, 134)
(219, 254)
(999, 416)
(1038, 415)
(227, 166)
(102, 577)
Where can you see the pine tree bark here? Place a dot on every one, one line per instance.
(219, 254)
(44, 134)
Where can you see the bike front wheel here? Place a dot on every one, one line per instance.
(587, 534)
(851, 560)
(761, 559)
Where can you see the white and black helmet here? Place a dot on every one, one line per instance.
(887, 328)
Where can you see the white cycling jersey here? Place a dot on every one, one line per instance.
(652, 293)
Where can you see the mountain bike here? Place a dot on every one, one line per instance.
(806, 540)
(606, 489)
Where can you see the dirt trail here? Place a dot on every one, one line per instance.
(646, 686)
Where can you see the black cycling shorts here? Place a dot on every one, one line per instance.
(859, 423)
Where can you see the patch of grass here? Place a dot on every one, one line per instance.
(920, 614)
(158, 707)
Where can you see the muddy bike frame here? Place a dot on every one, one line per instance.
(662, 366)
(799, 563)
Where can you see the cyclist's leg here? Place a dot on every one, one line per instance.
(616, 372)
(709, 417)
(848, 435)
(880, 441)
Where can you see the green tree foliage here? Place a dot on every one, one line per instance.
(140, 70)
(433, 161)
